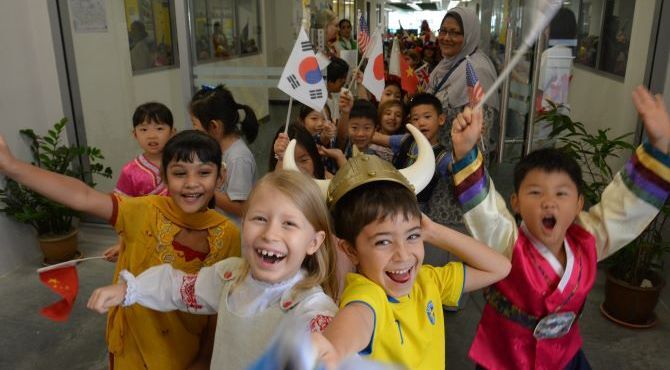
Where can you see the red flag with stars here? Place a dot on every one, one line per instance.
(408, 79)
(64, 282)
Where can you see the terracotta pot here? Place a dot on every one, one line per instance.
(629, 305)
(59, 248)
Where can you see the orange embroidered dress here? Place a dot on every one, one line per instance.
(142, 338)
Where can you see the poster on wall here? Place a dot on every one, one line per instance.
(88, 15)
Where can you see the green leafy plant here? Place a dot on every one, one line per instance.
(593, 152)
(50, 153)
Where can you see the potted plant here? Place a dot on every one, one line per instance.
(53, 222)
(633, 282)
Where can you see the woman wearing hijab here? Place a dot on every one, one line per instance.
(458, 37)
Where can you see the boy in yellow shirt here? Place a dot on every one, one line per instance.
(390, 309)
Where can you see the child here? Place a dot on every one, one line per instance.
(362, 121)
(306, 154)
(287, 271)
(322, 130)
(425, 113)
(390, 309)
(391, 114)
(529, 321)
(152, 127)
(215, 112)
(179, 229)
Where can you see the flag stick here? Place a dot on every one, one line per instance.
(503, 75)
(288, 113)
(67, 263)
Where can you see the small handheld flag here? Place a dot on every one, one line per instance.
(301, 78)
(475, 90)
(62, 279)
(544, 11)
(363, 35)
(373, 77)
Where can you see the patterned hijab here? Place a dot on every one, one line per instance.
(453, 92)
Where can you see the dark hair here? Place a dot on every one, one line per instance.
(304, 138)
(364, 109)
(219, 104)
(186, 145)
(337, 69)
(563, 25)
(548, 160)
(393, 80)
(369, 202)
(152, 112)
(342, 21)
(425, 99)
(305, 110)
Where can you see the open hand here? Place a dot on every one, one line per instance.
(102, 299)
(466, 131)
(655, 116)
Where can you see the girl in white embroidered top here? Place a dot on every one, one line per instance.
(287, 270)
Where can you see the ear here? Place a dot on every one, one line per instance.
(134, 133)
(580, 203)
(173, 131)
(215, 128)
(442, 118)
(221, 179)
(316, 243)
(349, 250)
(514, 201)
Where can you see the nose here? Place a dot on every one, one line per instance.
(401, 252)
(270, 231)
(548, 202)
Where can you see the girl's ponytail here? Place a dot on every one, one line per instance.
(249, 125)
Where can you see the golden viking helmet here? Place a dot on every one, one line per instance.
(363, 168)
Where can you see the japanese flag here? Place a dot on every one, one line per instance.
(302, 78)
(373, 77)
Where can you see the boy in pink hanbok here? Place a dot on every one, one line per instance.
(530, 317)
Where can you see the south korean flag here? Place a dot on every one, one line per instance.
(302, 78)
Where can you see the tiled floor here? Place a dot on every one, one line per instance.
(29, 341)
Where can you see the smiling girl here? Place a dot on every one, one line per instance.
(287, 270)
(179, 229)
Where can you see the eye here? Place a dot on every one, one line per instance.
(205, 173)
(160, 128)
(290, 223)
(178, 173)
(414, 236)
(534, 192)
(562, 193)
(382, 243)
(258, 219)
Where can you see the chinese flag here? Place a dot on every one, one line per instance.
(408, 78)
(64, 282)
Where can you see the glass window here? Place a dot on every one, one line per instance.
(150, 34)
(604, 34)
(225, 28)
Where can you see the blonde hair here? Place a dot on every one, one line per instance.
(307, 197)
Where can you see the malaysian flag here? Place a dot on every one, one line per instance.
(475, 91)
(363, 35)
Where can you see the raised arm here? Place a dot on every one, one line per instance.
(637, 193)
(485, 266)
(381, 139)
(162, 288)
(69, 191)
(484, 210)
(345, 103)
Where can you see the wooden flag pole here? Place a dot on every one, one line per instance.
(288, 113)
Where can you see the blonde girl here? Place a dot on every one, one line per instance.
(287, 270)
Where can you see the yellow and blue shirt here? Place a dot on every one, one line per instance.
(409, 330)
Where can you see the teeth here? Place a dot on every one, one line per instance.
(398, 272)
(267, 253)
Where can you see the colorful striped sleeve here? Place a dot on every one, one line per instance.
(471, 179)
(647, 175)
